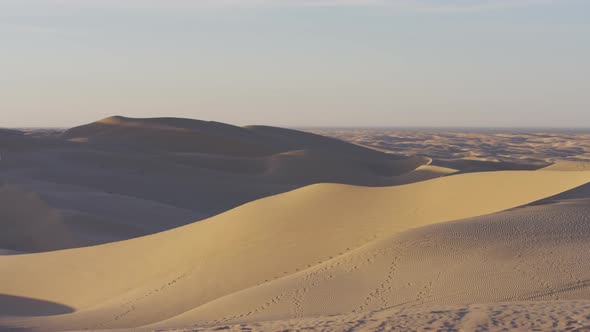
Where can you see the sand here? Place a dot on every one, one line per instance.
(120, 178)
(257, 246)
(424, 246)
(534, 249)
(475, 149)
(509, 316)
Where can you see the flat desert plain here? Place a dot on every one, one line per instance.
(169, 224)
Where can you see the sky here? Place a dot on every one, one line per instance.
(468, 63)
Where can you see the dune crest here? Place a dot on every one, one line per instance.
(197, 136)
(261, 240)
(121, 178)
(535, 249)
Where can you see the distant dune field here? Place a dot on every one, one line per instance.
(289, 231)
(475, 149)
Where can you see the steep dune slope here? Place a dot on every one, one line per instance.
(53, 217)
(27, 222)
(530, 253)
(120, 178)
(150, 279)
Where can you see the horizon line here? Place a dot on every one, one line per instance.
(572, 128)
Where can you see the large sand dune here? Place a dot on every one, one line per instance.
(530, 253)
(296, 231)
(185, 135)
(323, 249)
(120, 178)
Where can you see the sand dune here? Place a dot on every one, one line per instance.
(121, 178)
(186, 135)
(423, 173)
(249, 263)
(475, 149)
(529, 253)
(176, 135)
(297, 230)
(28, 223)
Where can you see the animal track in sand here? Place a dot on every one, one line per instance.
(130, 306)
(274, 300)
(384, 287)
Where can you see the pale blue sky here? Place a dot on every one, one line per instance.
(297, 63)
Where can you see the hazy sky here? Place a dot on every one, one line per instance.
(297, 62)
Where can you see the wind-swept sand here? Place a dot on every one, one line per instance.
(120, 178)
(418, 243)
(530, 253)
(512, 316)
(323, 249)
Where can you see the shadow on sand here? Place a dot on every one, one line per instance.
(16, 306)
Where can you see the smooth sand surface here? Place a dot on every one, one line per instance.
(530, 253)
(324, 249)
(120, 178)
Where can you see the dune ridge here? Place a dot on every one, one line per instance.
(530, 253)
(261, 240)
(121, 178)
(188, 135)
(292, 228)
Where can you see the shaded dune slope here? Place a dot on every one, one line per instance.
(15, 141)
(207, 266)
(186, 135)
(29, 223)
(253, 149)
(157, 174)
(52, 217)
(171, 134)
